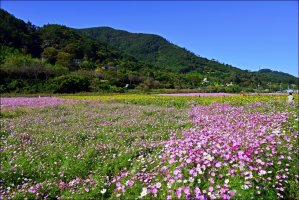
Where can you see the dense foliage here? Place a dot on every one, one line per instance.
(33, 58)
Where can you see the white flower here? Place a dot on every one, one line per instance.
(191, 179)
(103, 191)
(199, 170)
(158, 185)
(276, 131)
(226, 181)
(143, 193)
(259, 161)
(262, 172)
(244, 187)
(218, 164)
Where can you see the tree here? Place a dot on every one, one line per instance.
(69, 84)
(64, 59)
(74, 50)
(50, 53)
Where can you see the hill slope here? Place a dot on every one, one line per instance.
(156, 50)
(33, 40)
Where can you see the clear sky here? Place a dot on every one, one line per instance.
(246, 34)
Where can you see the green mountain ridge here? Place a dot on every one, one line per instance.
(43, 59)
(156, 50)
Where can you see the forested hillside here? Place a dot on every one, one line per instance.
(56, 58)
(157, 50)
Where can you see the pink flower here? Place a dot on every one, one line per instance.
(191, 171)
(158, 185)
(211, 189)
(225, 196)
(247, 153)
(197, 190)
(32, 189)
(277, 177)
(218, 164)
(178, 193)
(176, 172)
(235, 147)
(232, 192)
(187, 190)
(130, 183)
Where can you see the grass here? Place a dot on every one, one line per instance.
(83, 140)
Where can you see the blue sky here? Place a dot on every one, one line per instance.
(246, 34)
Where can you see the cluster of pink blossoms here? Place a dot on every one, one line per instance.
(33, 102)
(229, 151)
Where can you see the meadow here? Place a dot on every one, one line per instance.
(137, 146)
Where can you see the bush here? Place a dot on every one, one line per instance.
(16, 85)
(69, 84)
(116, 89)
(233, 89)
(87, 65)
(99, 85)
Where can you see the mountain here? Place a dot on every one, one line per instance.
(56, 58)
(271, 75)
(156, 50)
(33, 40)
(18, 34)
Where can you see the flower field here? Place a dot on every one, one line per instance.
(200, 94)
(17, 102)
(149, 147)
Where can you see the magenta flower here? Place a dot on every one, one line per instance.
(154, 190)
(130, 183)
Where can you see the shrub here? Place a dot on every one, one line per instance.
(69, 84)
